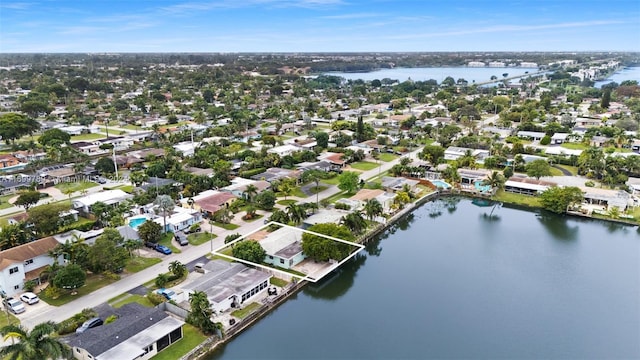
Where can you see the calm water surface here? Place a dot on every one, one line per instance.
(629, 73)
(451, 282)
(436, 73)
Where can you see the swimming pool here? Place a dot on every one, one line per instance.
(482, 188)
(440, 184)
(137, 221)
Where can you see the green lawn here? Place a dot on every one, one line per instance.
(86, 137)
(338, 196)
(132, 127)
(93, 283)
(7, 319)
(333, 181)
(556, 172)
(386, 157)
(132, 298)
(4, 201)
(140, 263)
(245, 311)
(572, 169)
(200, 238)
(278, 282)
(69, 187)
(298, 193)
(229, 226)
(166, 241)
(518, 199)
(318, 189)
(126, 188)
(364, 165)
(286, 202)
(575, 146)
(191, 337)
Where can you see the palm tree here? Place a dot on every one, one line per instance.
(35, 345)
(250, 191)
(296, 213)
(177, 268)
(495, 179)
(131, 245)
(354, 221)
(279, 216)
(166, 204)
(373, 208)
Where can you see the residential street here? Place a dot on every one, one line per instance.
(188, 254)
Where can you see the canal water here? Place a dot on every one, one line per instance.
(454, 280)
(470, 74)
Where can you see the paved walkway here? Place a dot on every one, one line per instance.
(188, 254)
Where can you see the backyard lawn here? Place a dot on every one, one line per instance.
(200, 238)
(70, 187)
(139, 263)
(364, 165)
(511, 198)
(278, 282)
(245, 311)
(191, 337)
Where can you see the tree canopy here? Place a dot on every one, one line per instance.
(320, 248)
(538, 168)
(558, 199)
(150, 231)
(249, 250)
(349, 181)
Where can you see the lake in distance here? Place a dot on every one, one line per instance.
(449, 281)
(470, 74)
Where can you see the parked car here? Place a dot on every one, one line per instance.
(199, 267)
(181, 239)
(163, 249)
(14, 305)
(91, 323)
(167, 293)
(151, 245)
(30, 298)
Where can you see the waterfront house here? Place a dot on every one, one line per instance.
(24, 262)
(137, 333)
(283, 248)
(607, 198)
(228, 284)
(526, 186)
(395, 184)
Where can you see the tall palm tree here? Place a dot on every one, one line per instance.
(165, 204)
(296, 213)
(373, 208)
(495, 179)
(177, 268)
(35, 345)
(251, 191)
(279, 216)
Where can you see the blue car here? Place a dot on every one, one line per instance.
(163, 249)
(168, 294)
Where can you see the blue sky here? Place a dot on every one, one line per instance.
(318, 25)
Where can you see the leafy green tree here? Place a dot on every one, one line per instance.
(70, 277)
(28, 199)
(12, 235)
(348, 181)
(285, 188)
(432, 153)
(38, 344)
(54, 137)
(355, 222)
(105, 165)
(161, 280)
(558, 199)
(250, 251)
(266, 200)
(201, 312)
(320, 248)
(150, 231)
(232, 237)
(322, 138)
(280, 216)
(138, 177)
(538, 168)
(46, 218)
(106, 254)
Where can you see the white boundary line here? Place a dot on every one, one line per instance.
(306, 277)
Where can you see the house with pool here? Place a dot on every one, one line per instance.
(179, 219)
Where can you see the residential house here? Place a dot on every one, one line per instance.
(153, 182)
(334, 159)
(383, 197)
(283, 248)
(239, 186)
(323, 216)
(599, 141)
(137, 333)
(180, 219)
(210, 201)
(455, 152)
(10, 162)
(109, 197)
(24, 262)
(526, 186)
(531, 135)
(559, 138)
(228, 284)
(395, 184)
(273, 174)
(283, 150)
(607, 198)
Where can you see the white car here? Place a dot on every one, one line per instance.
(30, 298)
(14, 305)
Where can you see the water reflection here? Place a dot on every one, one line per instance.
(373, 247)
(338, 283)
(558, 226)
(613, 227)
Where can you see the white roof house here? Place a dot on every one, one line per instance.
(109, 197)
(284, 150)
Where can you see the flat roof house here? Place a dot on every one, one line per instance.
(526, 186)
(109, 197)
(24, 262)
(138, 333)
(228, 284)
